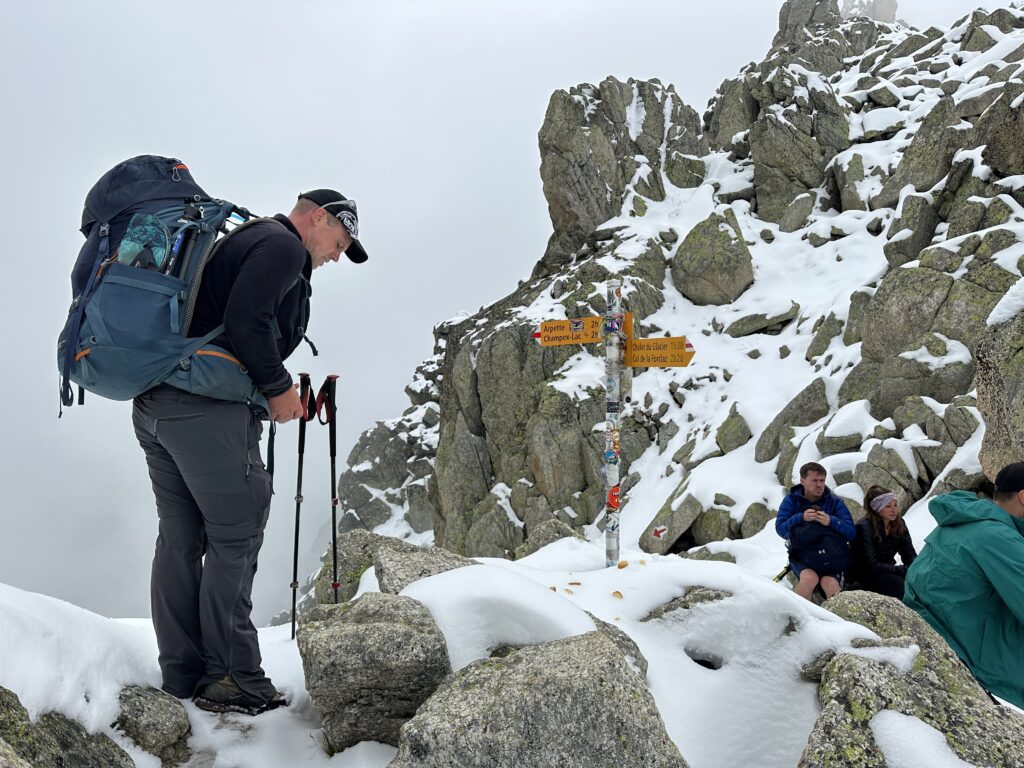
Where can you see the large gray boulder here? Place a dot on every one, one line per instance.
(730, 114)
(157, 722)
(809, 405)
(398, 568)
(733, 432)
(912, 231)
(679, 512)
(573, 703)
(937, 690)
(787, 163)
(1000, 382)
(1005, 149)
(713, 265)
(917, 313)
(369, 665)
(55, 741)
(904, 306)
(356, 552)
(547, 532)
(929, 157)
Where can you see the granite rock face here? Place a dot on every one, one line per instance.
(369, 666)
(571, 703)
(937, 689)
(157, 722)
(55, 741)
(1000, 383)
(594, 141)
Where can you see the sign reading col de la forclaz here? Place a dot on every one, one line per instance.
(668, 352)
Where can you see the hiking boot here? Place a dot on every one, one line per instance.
(224, 695)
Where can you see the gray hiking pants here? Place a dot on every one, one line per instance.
(212, 498)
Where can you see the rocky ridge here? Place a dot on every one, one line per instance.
(880, 159)
(378, 668)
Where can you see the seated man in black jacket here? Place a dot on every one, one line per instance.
(212, 489)
(882, 535)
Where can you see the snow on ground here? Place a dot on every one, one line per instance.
(58, 657)
(759, 638)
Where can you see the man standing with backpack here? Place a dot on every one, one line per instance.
(211, 486)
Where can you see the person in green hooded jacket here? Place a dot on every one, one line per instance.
(968, 582)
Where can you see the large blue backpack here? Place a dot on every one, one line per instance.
(150, 231)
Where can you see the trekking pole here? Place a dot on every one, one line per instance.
(327, 396)
(307, 415)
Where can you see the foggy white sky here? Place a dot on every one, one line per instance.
(425, 112)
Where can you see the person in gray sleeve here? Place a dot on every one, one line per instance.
(211, 486)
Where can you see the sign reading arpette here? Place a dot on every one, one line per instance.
(582, 330)
(622, 352)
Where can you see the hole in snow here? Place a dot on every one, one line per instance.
(704, 658)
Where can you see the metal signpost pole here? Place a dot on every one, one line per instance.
(613, 359)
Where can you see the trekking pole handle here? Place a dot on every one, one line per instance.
(305, 389)
(328, 397)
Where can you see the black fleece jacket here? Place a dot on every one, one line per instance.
(872, 556)
(252, 285)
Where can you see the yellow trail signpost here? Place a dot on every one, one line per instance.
(582, 330)
(667, 352)
(622, 352)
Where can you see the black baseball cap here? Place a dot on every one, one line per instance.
(344, 209)
(1011, 478)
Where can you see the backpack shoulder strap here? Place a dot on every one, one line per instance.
(198, 276)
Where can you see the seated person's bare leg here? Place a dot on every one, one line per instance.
(806, 584)
(830, 585)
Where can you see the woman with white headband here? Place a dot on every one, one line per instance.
(882, 535)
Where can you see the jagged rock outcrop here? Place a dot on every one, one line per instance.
(573, 703)
(369, 666)
(937, 689)
(390, 465)
(596, 142)
(798, 17)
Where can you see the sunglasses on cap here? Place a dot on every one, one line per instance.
(345, 211)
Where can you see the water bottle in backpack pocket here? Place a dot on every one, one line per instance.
(150, 230)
